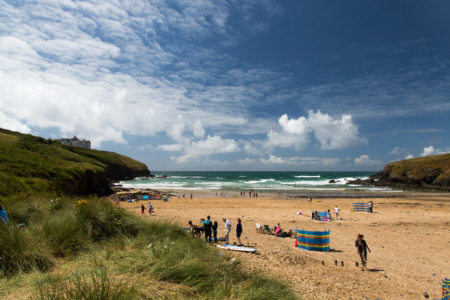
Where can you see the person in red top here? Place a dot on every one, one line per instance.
(249, 193)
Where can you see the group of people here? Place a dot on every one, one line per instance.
(150, 209)
(210, 229)
(315, 214)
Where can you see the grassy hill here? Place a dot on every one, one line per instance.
(430, 172)
(33, 164)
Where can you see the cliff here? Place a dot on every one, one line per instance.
(430, 172)
(34, 164)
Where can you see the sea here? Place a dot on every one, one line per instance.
(267, 182)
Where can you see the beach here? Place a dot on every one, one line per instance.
(409, 238)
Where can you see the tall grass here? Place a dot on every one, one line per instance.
(99, 230)
(97, 286)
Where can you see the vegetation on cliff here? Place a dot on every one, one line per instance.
(89, 248)
(430, 172)
(33, 164)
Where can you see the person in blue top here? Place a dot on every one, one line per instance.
(3, 215)
(208, 229)
(239, 231)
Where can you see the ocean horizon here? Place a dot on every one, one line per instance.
(260, 181)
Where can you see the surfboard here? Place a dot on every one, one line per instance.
(237, 248)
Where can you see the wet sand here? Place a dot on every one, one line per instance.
(409, 238)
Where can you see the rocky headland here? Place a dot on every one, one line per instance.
(430, 173)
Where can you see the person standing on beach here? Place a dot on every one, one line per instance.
(208, 229)
(214, 228)
(361, 249)
(227, 230)
(239, 231)
(117, 201)
(178, 195)
(150, 207)
(191, 196)
(143, 210)
(328, 215)
(336, 211)
(370, 206)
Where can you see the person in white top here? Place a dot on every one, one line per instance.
(336, 211)
(227, 230)
(150, 207)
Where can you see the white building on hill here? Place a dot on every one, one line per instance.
(75, 142)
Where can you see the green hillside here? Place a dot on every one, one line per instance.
(430, 172)
(33, 164)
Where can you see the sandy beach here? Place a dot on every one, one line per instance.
(409, 238)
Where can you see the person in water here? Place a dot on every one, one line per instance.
(361, 249)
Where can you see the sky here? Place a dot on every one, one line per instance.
(232, 85)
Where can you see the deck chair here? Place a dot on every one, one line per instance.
(267, 229)
(258, 227)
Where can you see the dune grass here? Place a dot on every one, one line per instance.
(99, 251)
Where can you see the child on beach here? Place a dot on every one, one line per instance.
(361, 249)
(336, 211)
(215, 226)
(143, 210)
(239, 231)
(328, 215)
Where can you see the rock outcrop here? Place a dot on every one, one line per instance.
(430, 172)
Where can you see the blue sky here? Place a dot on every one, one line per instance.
(232, 85)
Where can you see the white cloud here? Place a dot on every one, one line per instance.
(253, 147)
(332, 134)
(431, 151)
(12, 124)
(183, 159)
(247, 161)
(409, 156)
(364, 160)
(101, 71)
(210, 145)
(397, 151)
(300, 160)
(209, 161)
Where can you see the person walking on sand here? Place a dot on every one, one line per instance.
(143, 210)
(227, 230)
(239, 231)
(191, 196)
(150, 207)
(336, 211)
(117, 201)
(361, 249)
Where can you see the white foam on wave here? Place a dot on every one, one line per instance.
(308, 176)
(260, 181)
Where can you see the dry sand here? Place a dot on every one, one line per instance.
(409, 239)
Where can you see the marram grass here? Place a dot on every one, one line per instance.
(110, 248)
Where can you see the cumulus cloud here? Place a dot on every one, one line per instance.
(216, 162)
(397, 151)
(431, 151)
(364, 160)
(299, 160)
(332, 134)
(409, 156)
